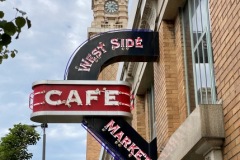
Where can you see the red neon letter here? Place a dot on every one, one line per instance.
(132, 148)
(139, 154)
(110, 127)
(115, 44)
(129, 43)
(86, 66)
(126, 141)
(138, 42)
(119, 136)
(100, 46)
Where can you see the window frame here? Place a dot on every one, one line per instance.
(198, 45)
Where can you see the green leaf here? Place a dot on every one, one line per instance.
(20, 22)
(6, 39)
(1, 14)
(28, 23)
(5, 56)
(16, 51)
(2, 23)
(10, 28)
(20, 11)
(17, 35)
(14, 145)
(13, 54)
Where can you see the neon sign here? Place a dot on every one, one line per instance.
(56, 101)
(92, 103)
(118, 136)
(125, 141)
(111, 47)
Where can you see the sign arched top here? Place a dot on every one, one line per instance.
(110, 47)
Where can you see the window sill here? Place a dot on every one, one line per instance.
(201, 132)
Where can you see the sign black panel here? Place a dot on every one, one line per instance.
(110, 47)
(121, 138)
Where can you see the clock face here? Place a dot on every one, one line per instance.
(111, 6)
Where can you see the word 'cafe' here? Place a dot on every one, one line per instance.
(71, 100)
(91, 95)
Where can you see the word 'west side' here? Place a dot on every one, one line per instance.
(96, 54)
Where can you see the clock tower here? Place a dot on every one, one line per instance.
(108, 15)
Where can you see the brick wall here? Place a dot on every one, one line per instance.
(109, 73)
(180, 71)
(169, 81)
(138, 121)
(93, 148)
(225, 27)
(147, 122)
(160, 97)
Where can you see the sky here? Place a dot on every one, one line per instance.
(58, 28)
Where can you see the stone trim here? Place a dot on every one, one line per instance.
(201, 132)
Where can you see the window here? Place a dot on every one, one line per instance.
(151, 112)
(198, 51)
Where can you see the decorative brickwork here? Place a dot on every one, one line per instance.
(225, 26)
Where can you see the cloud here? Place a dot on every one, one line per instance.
(63, 141)
(66, 131)
(30, 61)
(58, 28)
(73, 156)
(3, 132)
